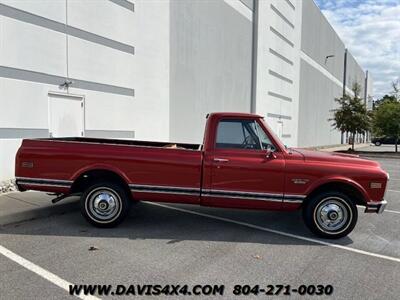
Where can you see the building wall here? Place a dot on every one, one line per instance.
(279, 26)
(321, 77)
(152, 70)
(317, 94)
(116, 53)
(210, 63)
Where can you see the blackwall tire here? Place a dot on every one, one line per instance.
(105, 204)
(378, 144)
(330, 215)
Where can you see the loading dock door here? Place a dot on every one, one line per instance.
(66, 115)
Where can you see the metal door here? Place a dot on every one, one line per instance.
(66, 115)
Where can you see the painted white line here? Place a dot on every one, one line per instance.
(395, 191)
(299, 237)
(41, 272)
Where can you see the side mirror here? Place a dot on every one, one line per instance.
(270, 154)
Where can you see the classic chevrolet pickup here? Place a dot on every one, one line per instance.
(241, 164)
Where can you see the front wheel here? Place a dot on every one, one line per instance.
(377, 144)
(330, 215)
(105, 204)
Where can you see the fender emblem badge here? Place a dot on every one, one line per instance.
(300, 180)
(27, 164)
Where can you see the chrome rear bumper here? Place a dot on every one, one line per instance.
(376, 207)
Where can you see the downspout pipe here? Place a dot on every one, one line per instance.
(253, 92)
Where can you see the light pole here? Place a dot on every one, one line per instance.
(344, 86)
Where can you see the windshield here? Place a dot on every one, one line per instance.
(275, 138)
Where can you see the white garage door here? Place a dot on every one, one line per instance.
(66, 115)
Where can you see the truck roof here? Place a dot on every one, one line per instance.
(233, 114)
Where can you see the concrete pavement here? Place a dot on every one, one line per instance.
(183, 244)
(160, 245)
(17, 207)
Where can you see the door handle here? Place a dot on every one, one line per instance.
(221, 160)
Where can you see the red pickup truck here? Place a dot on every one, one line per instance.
(241, 164)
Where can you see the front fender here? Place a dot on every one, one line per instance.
(338, 179)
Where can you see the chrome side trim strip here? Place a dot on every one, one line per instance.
(241, 193)
(164, 189)
(42, 184)
(241, 197)
(145, 186)
(216, 193)
(166, 192)
(292, 201)
(295, 196)
(44, 180)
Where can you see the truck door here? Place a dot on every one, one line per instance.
(247, 171)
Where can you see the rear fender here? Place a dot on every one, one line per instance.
(100, 166)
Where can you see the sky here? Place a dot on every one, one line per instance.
(370, 30)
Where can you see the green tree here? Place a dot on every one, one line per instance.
(396, 89)
(351, 115)
(385, 98)
(387, 120)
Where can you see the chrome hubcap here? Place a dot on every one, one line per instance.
(104, 204)
(332, 214)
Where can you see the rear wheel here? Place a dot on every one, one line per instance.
(330, 215)
(105, 204)
(377, 143)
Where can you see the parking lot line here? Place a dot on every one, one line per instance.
(392, 211)
(40, 271)
(396, 191)
(299, 237)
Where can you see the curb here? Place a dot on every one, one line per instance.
(372, 154)
(379, 156)
(41, 212)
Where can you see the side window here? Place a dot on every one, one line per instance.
(237, 134)
(265, 141)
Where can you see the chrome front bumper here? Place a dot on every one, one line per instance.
(376, 207)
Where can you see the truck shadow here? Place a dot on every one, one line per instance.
(148, 221)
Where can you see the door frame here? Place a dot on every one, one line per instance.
(73, 97)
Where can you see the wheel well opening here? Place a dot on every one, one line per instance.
(353, 193)
(88, 178)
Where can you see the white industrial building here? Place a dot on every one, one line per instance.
(153, 69)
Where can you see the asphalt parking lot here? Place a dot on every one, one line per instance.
(182, 244)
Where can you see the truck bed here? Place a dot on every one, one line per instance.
(126, 142)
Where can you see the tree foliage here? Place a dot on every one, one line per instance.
(396, 89)
(384, 99)
(386, 120)
(351, 115)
